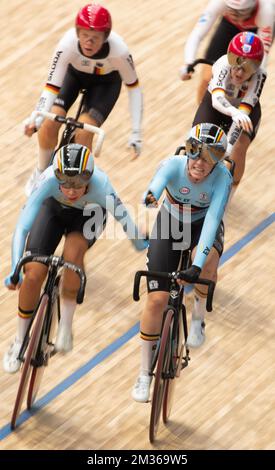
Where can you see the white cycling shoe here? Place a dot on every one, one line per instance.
(196, 334)
(32, 182)
(64, 339)
(11, 363)
(141, 390)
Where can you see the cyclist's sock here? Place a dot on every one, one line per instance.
(148, 344)
(67, 309)
(24, 318)
(44, 158)
(199, 309)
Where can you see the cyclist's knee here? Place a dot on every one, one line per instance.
(69, 292)
(35, 274)
(156, 301)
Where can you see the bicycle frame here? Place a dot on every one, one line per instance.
(37, 346)
(167, 362)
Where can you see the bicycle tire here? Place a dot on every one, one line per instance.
(46, 347)
(29, 355)
(177, 353)
(161, 369)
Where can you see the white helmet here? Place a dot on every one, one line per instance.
(240, 4)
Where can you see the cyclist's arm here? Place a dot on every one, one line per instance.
(27, 217)
(57, 70)
(111, 201)
(163, 175)
(204, 24)
(123, 62)
(265, 22)
(213, 217)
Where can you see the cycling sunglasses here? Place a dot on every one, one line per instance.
(73, 179)
(212, 154)
(249, 66)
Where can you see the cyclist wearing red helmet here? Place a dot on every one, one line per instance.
(236, 16)
(93, 57)
(232, 98)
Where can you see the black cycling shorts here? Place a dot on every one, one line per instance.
(164, 253)
(102, 92)
(221, 38)
(206, 113)
(55, 220)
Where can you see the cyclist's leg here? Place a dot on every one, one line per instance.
(82, 231)
(99, 102)
(74, 251)
(161, 257)
(217, 47)
(240, 148)
(48, 133)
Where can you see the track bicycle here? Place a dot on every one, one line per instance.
(71, 124)
(38, 345)
(172, 353)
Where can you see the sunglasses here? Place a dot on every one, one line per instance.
(73, 179)
(249, 66)
(211, 154)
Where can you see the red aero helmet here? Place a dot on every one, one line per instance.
(246, 50)
(94, 16)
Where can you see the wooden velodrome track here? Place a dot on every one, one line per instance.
(225, 398)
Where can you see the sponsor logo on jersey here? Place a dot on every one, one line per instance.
(204, 196)
(184, 190)
(221, 77)
(85, 62)
(54, 64)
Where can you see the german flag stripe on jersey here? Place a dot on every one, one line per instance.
(133, 85)
(246, 107)
(218, 90)
(52, 88)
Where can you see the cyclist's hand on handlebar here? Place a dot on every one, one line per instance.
(190, 275)
(32, 124)
(135, 143)
(9, 285)
(184, 74)
(150, 200)
(242, 120)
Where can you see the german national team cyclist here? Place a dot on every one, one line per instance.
(232, 99)
(72, 199)
(197, 188)
(94, 57)
(257, 16)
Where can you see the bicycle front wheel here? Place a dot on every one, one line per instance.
(176, 360)
(30, 354)
(46, 345)
(162, 370)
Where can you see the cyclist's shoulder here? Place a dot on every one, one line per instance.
(222, 173)
(173, 162)
(118, 46)
(100, 180)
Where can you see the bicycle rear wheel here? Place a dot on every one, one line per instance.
(30, 354)
(162, 370)
(177, 353)
(46, 346)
